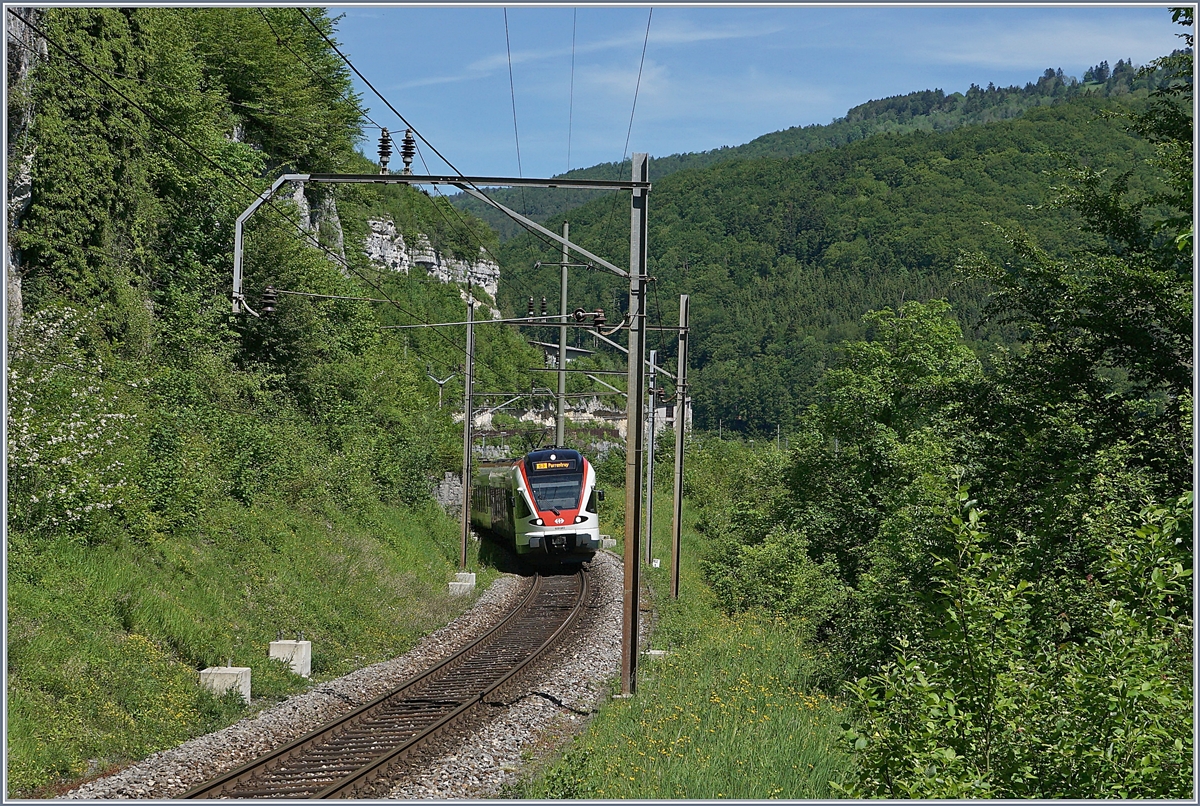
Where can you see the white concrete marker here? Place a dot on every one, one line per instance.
(298, 654)
(464, 583)
(219, 679)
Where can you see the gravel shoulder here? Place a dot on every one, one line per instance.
(546, 710)
(554, 701)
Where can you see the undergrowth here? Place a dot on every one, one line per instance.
(105, 642)
(730, 711)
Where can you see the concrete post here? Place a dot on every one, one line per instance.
(467, 417)
(219, 679)
(297, 654)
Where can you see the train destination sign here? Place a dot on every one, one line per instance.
(568, 464)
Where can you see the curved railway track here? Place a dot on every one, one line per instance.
(352, 755)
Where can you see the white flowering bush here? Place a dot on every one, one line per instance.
(68, 437)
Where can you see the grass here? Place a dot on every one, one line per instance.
(729, 712)
(105, 641)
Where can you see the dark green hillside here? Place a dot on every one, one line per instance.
(925, 110)
(782, 256)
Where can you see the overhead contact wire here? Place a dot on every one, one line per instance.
(404, 120)
(512, 91)
(571, 100)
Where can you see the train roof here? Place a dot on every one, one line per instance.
(550, 454)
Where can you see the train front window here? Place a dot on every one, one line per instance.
(557, 491)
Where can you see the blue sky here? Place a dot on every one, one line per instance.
(712, 76)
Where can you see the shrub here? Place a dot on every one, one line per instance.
(70, 430)
(987, 706)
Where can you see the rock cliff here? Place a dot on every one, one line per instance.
(387, 249)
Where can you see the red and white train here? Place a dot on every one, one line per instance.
(544, 506)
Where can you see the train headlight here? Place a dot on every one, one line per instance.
(539, 522)
(579, 519)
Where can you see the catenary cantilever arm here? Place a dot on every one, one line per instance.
(239, 300)
(518, 217)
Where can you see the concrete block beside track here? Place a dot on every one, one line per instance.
(297, 654)
(219, 679)
(464, 583)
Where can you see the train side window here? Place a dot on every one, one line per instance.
(594, 500)
(523, 510)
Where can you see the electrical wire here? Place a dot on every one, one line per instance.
(470, 232)
(571, 101)
(637, 88)
(466, 227)
(513, 94)
(662, 334)
(371, 87)
(404, 120)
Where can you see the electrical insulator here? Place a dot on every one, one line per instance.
(269, 297)
(543, 306)
(529, 313)
(598, 318)
(385, 150)
(408, 149)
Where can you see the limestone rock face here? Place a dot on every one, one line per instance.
(322, 220)
(387, 249)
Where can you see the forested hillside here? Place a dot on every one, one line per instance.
(926, 110)
(782, 257)
(970, 317)
(995, 549)
(184, 484)
(984, 550)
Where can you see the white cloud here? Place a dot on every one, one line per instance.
(1048, 43)
(675, 32)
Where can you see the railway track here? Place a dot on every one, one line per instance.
(351, 756)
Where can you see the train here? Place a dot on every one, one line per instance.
(543, 506)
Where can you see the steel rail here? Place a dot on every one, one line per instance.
(423, 691)
(364, 777)
(228, 780)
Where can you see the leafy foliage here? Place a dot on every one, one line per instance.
(1048, 654)
(989, 706)
(160, 449)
